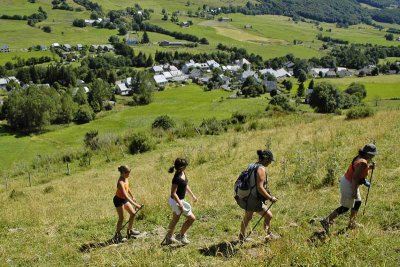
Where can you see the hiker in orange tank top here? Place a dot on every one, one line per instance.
(124, 199)
(355, 176)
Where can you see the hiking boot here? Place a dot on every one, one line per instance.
(325, 224)
(271, 236)
(354, 225)
(183, 239)
(170, 241)
(132, 233)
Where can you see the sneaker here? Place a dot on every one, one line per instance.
(117, 238)
(325, 224)
(170, 241)
(131, 233)
(183, 239)
(243, 239)
(271, 236)
(355, 225)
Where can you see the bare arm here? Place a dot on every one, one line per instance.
(260, 184)
(191, 193)
(356, 179)
(137, 205)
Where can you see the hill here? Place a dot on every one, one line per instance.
(44, 225)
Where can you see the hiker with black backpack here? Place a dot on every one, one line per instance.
(124, 199)
(178, 205)
(355, 176)
(251, 191)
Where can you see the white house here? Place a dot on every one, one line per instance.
(4, 48)
(3, 83)
(212, 64)
(317, 72)
(167, 75)
(160, 79)
(242, 62)
(157, 69)
(281, 73)
(55, 45)
(122, 89)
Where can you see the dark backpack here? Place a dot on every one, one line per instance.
(242, 186)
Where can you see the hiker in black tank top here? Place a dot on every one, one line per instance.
(178, 205)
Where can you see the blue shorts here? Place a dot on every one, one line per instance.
(119, 202)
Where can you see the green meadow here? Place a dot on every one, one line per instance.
(187, 103)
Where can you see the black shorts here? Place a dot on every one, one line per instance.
(119, 202)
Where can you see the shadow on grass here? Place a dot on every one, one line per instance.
(228, 249)
(6, 130)
(93, 245)
(224, 249)
(319, 237)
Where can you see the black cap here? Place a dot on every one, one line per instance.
(369, 149)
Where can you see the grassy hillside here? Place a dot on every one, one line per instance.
(46, 224)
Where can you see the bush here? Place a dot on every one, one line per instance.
(85, 114)
(212, 126)
(164, 122)
(186, 130)
(281, 101)
(359, 112)
(238, 117)
(140, 143)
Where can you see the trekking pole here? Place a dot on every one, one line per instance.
(123, 226)
(254, 227)
(370, 181)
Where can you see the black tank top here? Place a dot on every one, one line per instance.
(182, 184)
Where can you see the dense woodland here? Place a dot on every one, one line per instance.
(344, 12)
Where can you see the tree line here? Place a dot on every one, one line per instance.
(178, 35)
(345, 12)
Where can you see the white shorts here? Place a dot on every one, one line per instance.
(346, 193)
(187, 209)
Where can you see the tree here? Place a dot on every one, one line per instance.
(375, 72)
(311, 84)
(68, 109)
(301, 90)
(302, 76)
(165, 17)
(164, 122)
(32, 108)
(113, 39)
(357, 89)
(288, 84)
(80, 97)
(46, 29)
(389, 37)
(122, 30)
(325, 98)
(99, 93)
(145, 38)
(281, 101)
(84, 114)
(79, 23)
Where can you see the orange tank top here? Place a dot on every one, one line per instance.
(352, 167)
(119, 192)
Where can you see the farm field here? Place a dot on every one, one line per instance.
(13, 56)
(46, 224)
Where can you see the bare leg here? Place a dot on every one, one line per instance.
(172, 224)
(248, 215)
(353, 215)
(267, 220)
(128, 207)
(120, 212)
(189, 221)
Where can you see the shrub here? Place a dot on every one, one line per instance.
(85, 114)
(281, 101)
(140, 143)
(212, 126)
(238, 117)
(187, 130)
(164, 122)
(359, 112)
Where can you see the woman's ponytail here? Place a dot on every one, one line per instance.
(171, 169)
